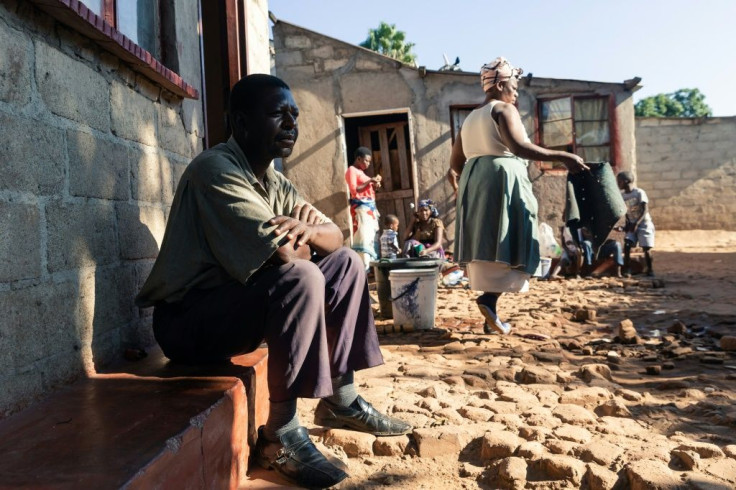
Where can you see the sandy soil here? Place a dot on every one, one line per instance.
(562, 402)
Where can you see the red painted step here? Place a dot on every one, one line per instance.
(115, 430)
(148, 424)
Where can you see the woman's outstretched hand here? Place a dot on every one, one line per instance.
(573, 163)
(452, 178)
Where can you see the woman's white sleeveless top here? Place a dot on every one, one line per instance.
(481, 136)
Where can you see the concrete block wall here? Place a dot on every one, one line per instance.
(258, 58)
(90, 153)
(688, 169)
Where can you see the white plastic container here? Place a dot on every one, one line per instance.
(497, 277)
(545, 264)
(413, 297)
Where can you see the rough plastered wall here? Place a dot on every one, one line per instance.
(330, 78)
(90, 153)
(688, 169)
(258, 58)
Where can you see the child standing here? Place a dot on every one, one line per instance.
(390, 237)
(639, 226)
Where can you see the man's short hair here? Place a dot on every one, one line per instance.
(248, 90)
(626, 176)
(389, 219)
(361, 152)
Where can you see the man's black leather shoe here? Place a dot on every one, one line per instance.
(360, 416)
(298, 460)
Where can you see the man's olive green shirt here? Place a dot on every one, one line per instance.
(218, 228)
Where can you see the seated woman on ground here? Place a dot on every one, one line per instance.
(425, 233)
(571, 254)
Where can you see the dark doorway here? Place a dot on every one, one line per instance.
(224, 61)
(388, 137)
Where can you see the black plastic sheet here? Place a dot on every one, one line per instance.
(594, 201)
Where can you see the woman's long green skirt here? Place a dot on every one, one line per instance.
(497, 214)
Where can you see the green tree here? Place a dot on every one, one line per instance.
(686, 102)
(389, 41)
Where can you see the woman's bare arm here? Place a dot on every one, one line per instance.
(374, 181)
(514, 136)
(457, 162)
(438, 234)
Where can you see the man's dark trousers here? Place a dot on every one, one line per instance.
(315, 317)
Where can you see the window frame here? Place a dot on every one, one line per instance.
(101, 29)
(110, 14)
(612, 127)
(453, 109)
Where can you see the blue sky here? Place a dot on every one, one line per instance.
(670, 44)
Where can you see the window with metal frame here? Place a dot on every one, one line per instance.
(576, 124)
(139, 20)
(142, 33)
(458, 113)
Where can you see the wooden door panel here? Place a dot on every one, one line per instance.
(404, 170)
(408, 209)
(385, 168)
(400, 194)
(397, 191)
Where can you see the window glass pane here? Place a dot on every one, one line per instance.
(595, 153)
(591, 133)
(95, 6)
(458, 118)
(557, 133)
(591, 109)
(553, 110)
(138, 19)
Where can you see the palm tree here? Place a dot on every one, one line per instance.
(389, 41)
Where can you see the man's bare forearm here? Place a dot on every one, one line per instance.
(289, 252)
(325, 238)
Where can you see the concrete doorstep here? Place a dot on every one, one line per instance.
(147, 424)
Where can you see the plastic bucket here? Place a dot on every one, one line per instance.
(382, 268)
(413, 296)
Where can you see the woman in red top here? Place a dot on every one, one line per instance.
(363, 205)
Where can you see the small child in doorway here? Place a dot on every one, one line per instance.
(639, 226)
(390, 237)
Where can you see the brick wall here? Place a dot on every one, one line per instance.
(688, 169)
(90, 153)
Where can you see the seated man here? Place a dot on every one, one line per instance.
(585, 239)
(612, 248)
(245, 259)
(569, 263)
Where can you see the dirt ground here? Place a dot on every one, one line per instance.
(563, 402)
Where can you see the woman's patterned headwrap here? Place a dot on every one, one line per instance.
(498, 70)
(428, 203)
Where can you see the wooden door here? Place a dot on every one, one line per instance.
(225, 62)
(389, 143)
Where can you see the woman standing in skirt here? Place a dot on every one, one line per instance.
(496, 223)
